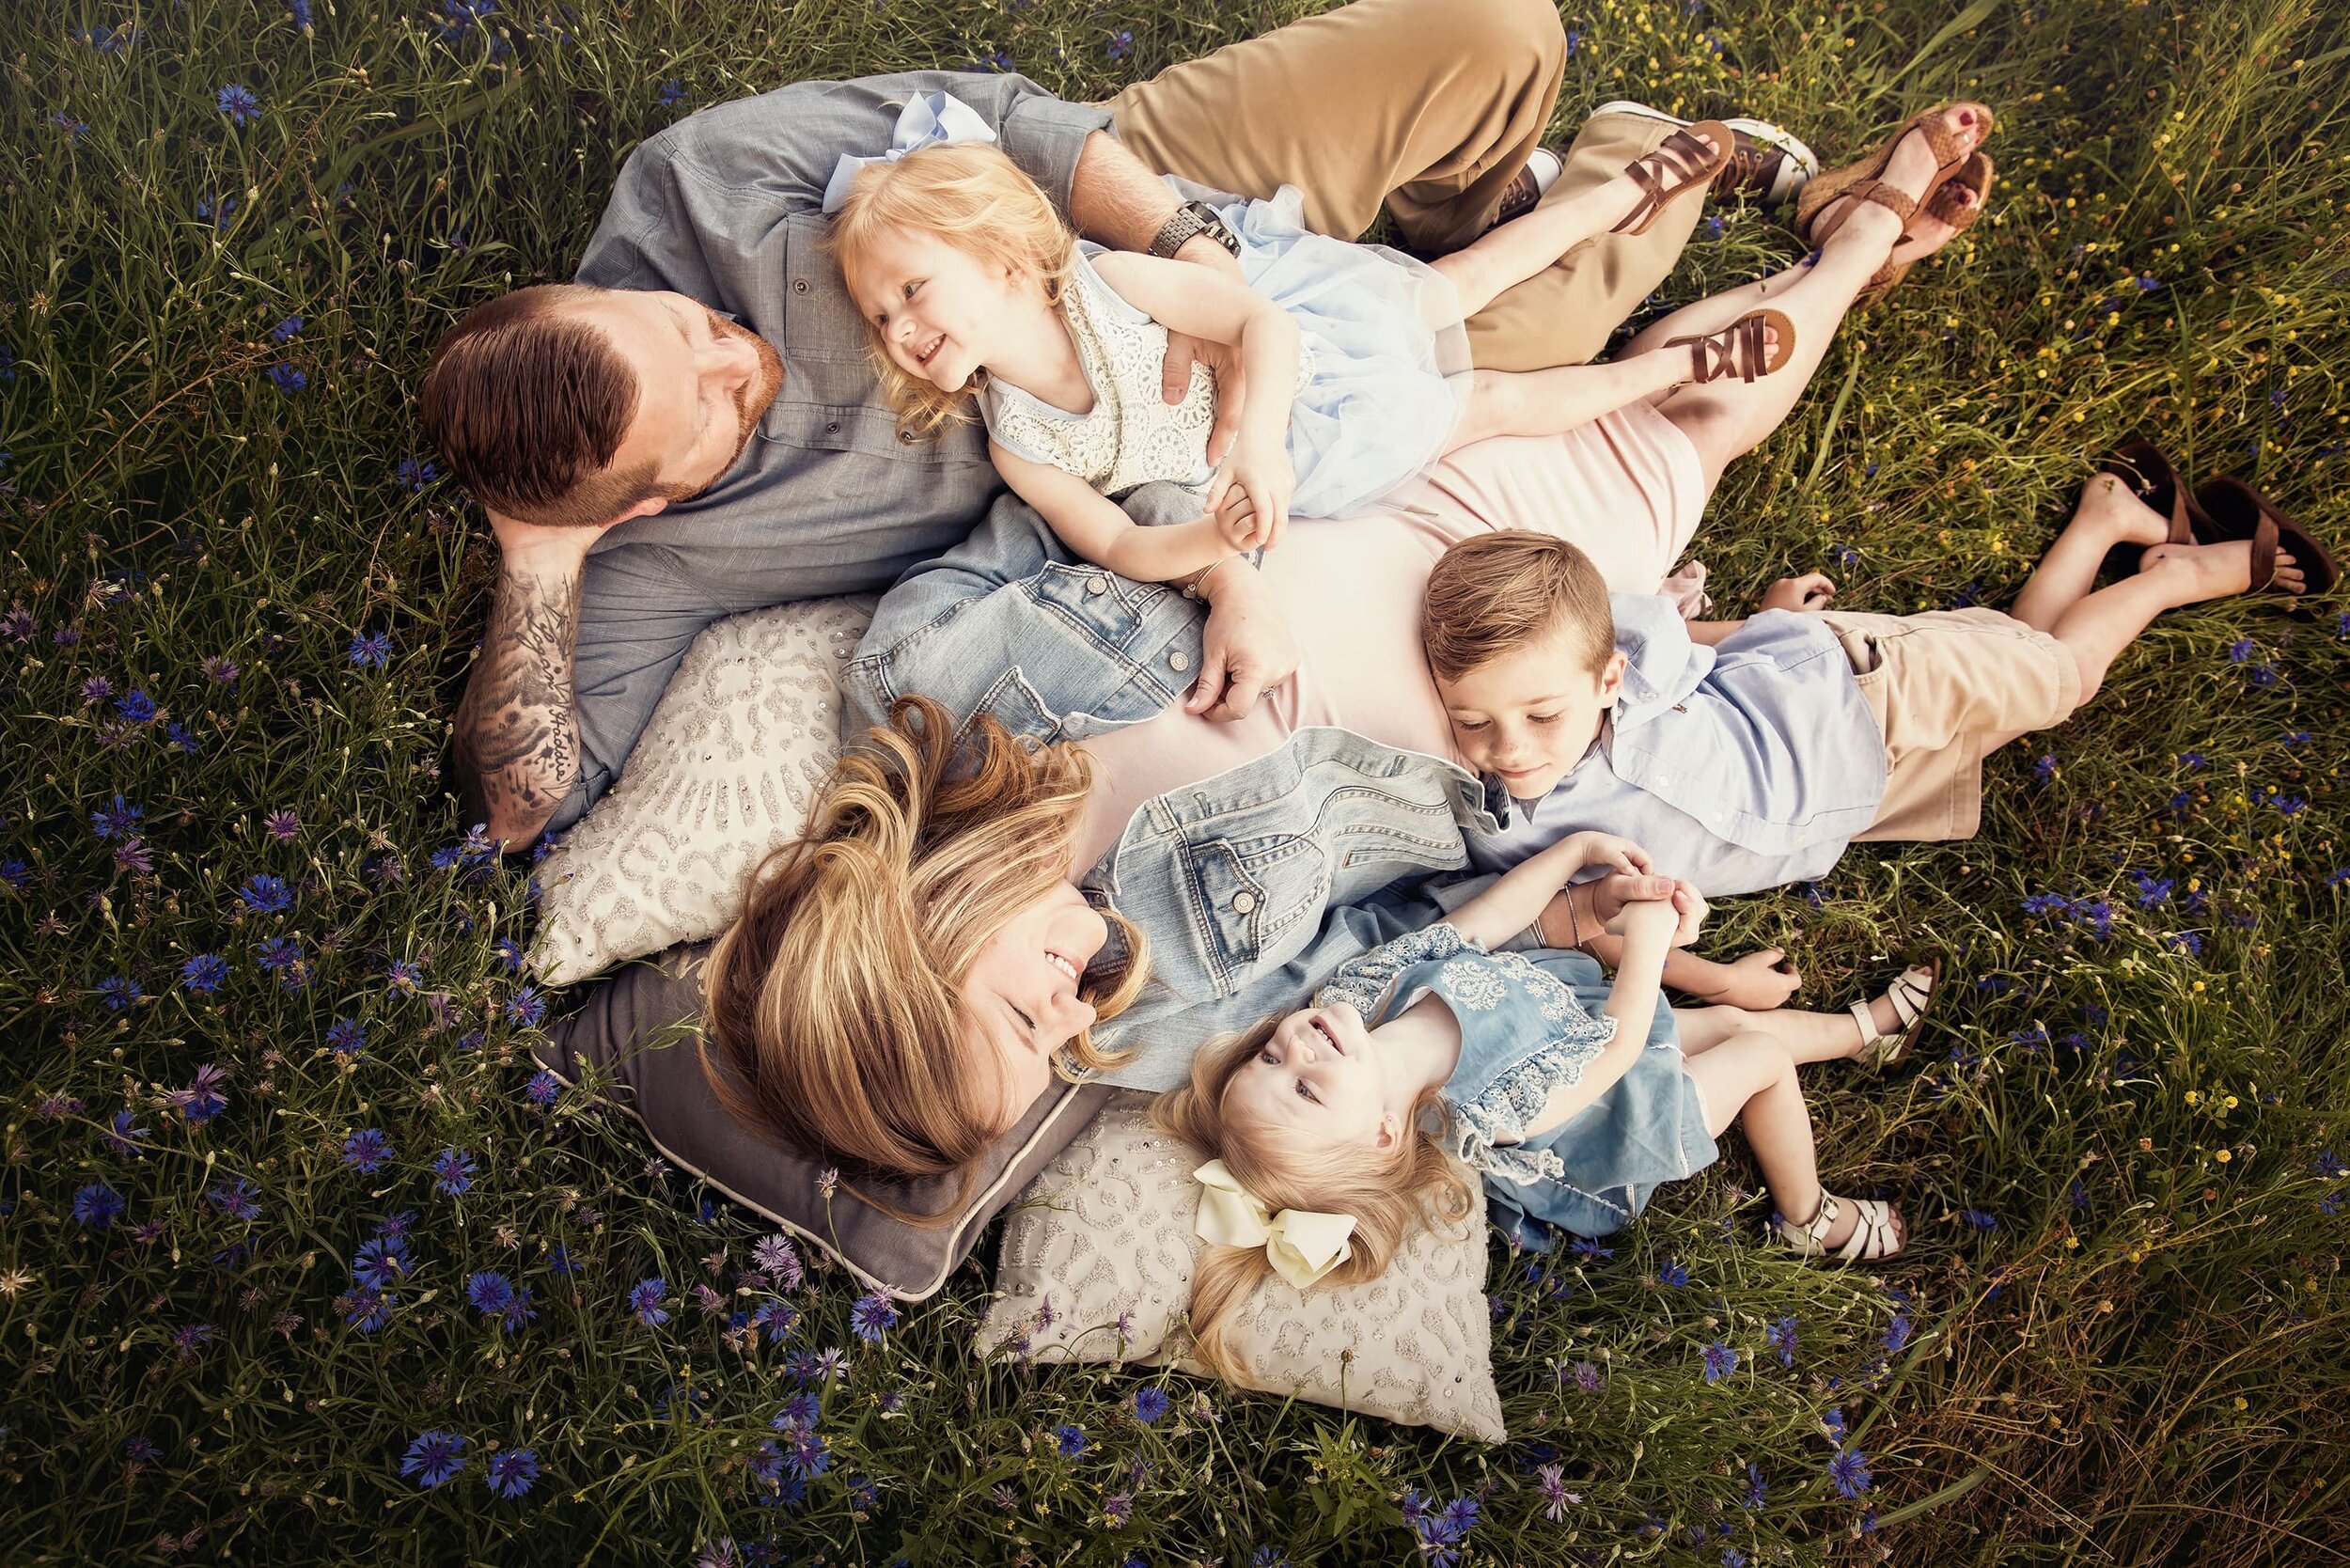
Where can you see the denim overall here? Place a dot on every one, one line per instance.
(1531, 1021)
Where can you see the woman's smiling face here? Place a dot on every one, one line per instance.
(1020, 995)
(936, 309)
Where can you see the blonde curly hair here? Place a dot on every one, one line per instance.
(974, 197)
(1389, 1192)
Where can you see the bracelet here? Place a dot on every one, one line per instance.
(1572, 922)
(1191, 590)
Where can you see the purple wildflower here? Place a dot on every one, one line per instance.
(872, 1316)
(1849, 1470)
(433, 1458)
(365, 1150)
(95, 1206)
(1720, 1361)
(512, 1471)
(237, 103)
(644, 1299)
(453, 1172)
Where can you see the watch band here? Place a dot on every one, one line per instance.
(1186, 222)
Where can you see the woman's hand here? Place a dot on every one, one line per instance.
(1684, 903)
(1810, 591)
(1250, 494)
(1757, 981)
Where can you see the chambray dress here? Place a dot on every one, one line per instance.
(1531, 1022)
(1378, 391)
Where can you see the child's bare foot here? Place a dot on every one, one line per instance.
(1910, 169)
(2196, 574)
(2112, 513)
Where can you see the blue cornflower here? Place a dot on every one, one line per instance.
(2296, 737)
(182, 739)
(287, 378)
(97, 689)
(371, 649)
(118, 820)
(1720, 1361)
(381, 1262)
(2241, 650)
(512, 1471)
(299, 10)
(281, 956)
(526, 1006)
(140, 1449)
(644, 1299)
(777, 1317)
(1121, 44)
(800, 1410)
(1591, 1251)
(1897, 1334)
(1673, 1273)
(434, 1458)
(767, 1461)
(872, 1316)
(220, 670)
(1575, 40)
(347, 1037)
(1833, 1421)
(1980, 1219)
(2152, 891)
(286, 330)
(264, 894)
(1756, 1488)
(96, 1205)
(123, 1135)
(118, 992)
(1781, 1338)
(365, 1150)
(239, 1199)
(453, 1172)
(671, 94)
(202, 1099)
(1849, 1470)
(1068, 1439)
(2044, 770)
(137, 707)
(509, 955)
(808, 1453)
(415, 473)
(542, 1088)
(1150, 1405)
(237, 103)
(16, 873)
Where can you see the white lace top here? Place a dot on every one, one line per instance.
(1132, 436)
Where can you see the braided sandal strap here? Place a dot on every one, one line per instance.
(1872, 1234)
(1682, 159)
(1809, 1240)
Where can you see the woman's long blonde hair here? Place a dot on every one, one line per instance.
(974, 197)
(832, 1009)
(1389, 1191)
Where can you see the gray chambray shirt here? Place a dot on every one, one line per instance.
(725, 206)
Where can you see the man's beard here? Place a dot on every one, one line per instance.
(751, 402)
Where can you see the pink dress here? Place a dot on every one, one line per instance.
(1626, 488)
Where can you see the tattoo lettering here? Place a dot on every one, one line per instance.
(517, 742)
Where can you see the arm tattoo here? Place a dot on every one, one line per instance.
(517, 742)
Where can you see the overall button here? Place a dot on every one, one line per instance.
(1097, 584)
(831, 427)
(1179, 661)
(799, 286)
(1244, 901)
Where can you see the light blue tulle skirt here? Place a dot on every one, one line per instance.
(1385, 390)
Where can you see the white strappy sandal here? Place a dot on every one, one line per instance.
(1872, 1238)
(1912, 993)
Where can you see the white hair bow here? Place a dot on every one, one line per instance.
(934, 117)
(1300, 1244)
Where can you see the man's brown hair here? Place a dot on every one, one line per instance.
(1495, 593)
(527, 400)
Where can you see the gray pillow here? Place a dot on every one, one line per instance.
(638, 1025)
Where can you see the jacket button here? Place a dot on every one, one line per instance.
(1179, 661)
(906, 435)
(799, 286)
(832, 428)
(1244, 901)
(1097, 584)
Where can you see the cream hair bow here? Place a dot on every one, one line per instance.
(1301, 1245)
(932, 116)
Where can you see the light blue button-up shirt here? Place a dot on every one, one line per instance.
(1746, 765)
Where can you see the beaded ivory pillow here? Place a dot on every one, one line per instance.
(742, 741)
(1104, 1233)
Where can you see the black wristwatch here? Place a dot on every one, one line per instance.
(1193, 218)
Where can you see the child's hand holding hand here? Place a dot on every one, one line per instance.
(1810, 591)
(1250, 496)
(1758, 981)
(1592, 848)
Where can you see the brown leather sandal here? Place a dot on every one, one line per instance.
(1739, 349)
(2148, 472)
(2233, 509)
(1679, 164)
(1975, 178)
(1865, 180)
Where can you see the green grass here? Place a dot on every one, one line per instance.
(2142, 1362)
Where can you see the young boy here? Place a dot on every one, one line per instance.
(1747, 754)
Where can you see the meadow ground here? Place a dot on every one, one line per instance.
(299, 1263)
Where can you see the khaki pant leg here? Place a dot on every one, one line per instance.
(1564, 314)
(1431, 106)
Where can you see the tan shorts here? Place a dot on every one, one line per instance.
(1946, 685)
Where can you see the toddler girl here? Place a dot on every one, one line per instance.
(1353, 356)
(1337, 1129)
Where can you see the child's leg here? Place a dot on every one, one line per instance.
(2108, 514)
(1551, 402)
(1807, 1037)
(1750, 1077)
(1507, 253)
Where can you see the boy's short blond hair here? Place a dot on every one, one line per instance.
(1494, 594)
